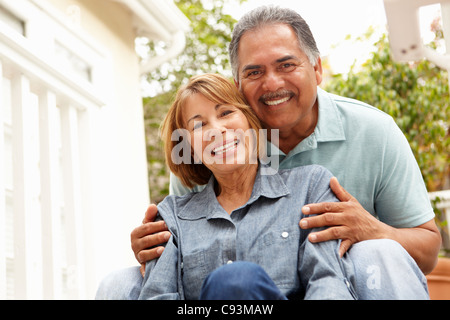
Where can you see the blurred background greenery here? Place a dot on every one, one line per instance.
(415, 94)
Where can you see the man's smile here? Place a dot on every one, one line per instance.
(276, 98)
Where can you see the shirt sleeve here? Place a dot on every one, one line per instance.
(401, 197)
(321, 271)
(162, 280)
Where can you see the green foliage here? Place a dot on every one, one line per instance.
(416, 95)
(206, 51)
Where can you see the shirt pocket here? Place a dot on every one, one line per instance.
(197, 265)
(278, 255)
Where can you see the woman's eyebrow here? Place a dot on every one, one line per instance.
(197, 116)
(193, 118)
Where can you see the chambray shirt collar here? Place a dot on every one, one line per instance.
(205, 205)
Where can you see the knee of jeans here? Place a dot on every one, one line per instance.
(106, 285)
(119, 284)
(377, 247)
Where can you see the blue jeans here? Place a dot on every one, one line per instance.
(240, 281)
(383, 271)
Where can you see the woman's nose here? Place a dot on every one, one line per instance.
(216, 128)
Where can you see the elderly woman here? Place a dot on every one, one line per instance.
(239, 238)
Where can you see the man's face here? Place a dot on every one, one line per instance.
(277, 78)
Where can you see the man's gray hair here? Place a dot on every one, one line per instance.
(267, 15)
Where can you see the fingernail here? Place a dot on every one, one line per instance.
(312, 237)
(167, 236)
(160, 250)
(306, 210)
(304, 224)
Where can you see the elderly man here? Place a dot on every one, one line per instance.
(277, 66)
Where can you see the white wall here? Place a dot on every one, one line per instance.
(119, 171)
(78, 175)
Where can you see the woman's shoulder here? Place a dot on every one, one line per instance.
(312, 170)
(310, 179)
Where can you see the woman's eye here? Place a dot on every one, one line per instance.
(198, 124)
(226, 112)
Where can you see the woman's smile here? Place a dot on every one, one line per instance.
(227, 148)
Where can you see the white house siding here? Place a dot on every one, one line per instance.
(73, 175)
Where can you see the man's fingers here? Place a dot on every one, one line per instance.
(324, 220)
(149, 254)
(323, 207)
(333, 233)
(150, 214)
(339, 191)
(154, 240)
(146, 248)
(148, 228)
(148, 235)
(345, 245)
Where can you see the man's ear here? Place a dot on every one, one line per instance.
(318, 71)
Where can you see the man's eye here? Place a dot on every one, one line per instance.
(287, 67)
(255, 74)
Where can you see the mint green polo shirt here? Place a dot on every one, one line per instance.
(364, 148)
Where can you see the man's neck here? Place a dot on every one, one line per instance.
(289, 138)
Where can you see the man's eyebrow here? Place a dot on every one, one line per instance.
(282, 59)
(251, 67)
(286, 58)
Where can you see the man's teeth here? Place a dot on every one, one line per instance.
(222, 149)
(275, 102)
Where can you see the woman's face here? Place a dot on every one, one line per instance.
(219, 134)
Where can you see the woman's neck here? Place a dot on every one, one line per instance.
(234, 189)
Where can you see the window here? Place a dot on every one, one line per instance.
(77, 65)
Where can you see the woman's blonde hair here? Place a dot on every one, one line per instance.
(217, 89)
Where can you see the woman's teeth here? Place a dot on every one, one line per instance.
(222, 149)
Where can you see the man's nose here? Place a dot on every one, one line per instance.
(272, 82)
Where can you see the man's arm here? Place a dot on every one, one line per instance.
(349, 221)
(146, 240)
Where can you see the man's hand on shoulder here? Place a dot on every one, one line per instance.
(146, 240)
(346, 220)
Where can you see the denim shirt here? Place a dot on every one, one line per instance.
(265, 231)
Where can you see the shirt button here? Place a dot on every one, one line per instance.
(229, 262)
(285, 235)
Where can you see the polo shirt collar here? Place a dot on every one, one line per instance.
(329, 126)
(205, 205)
